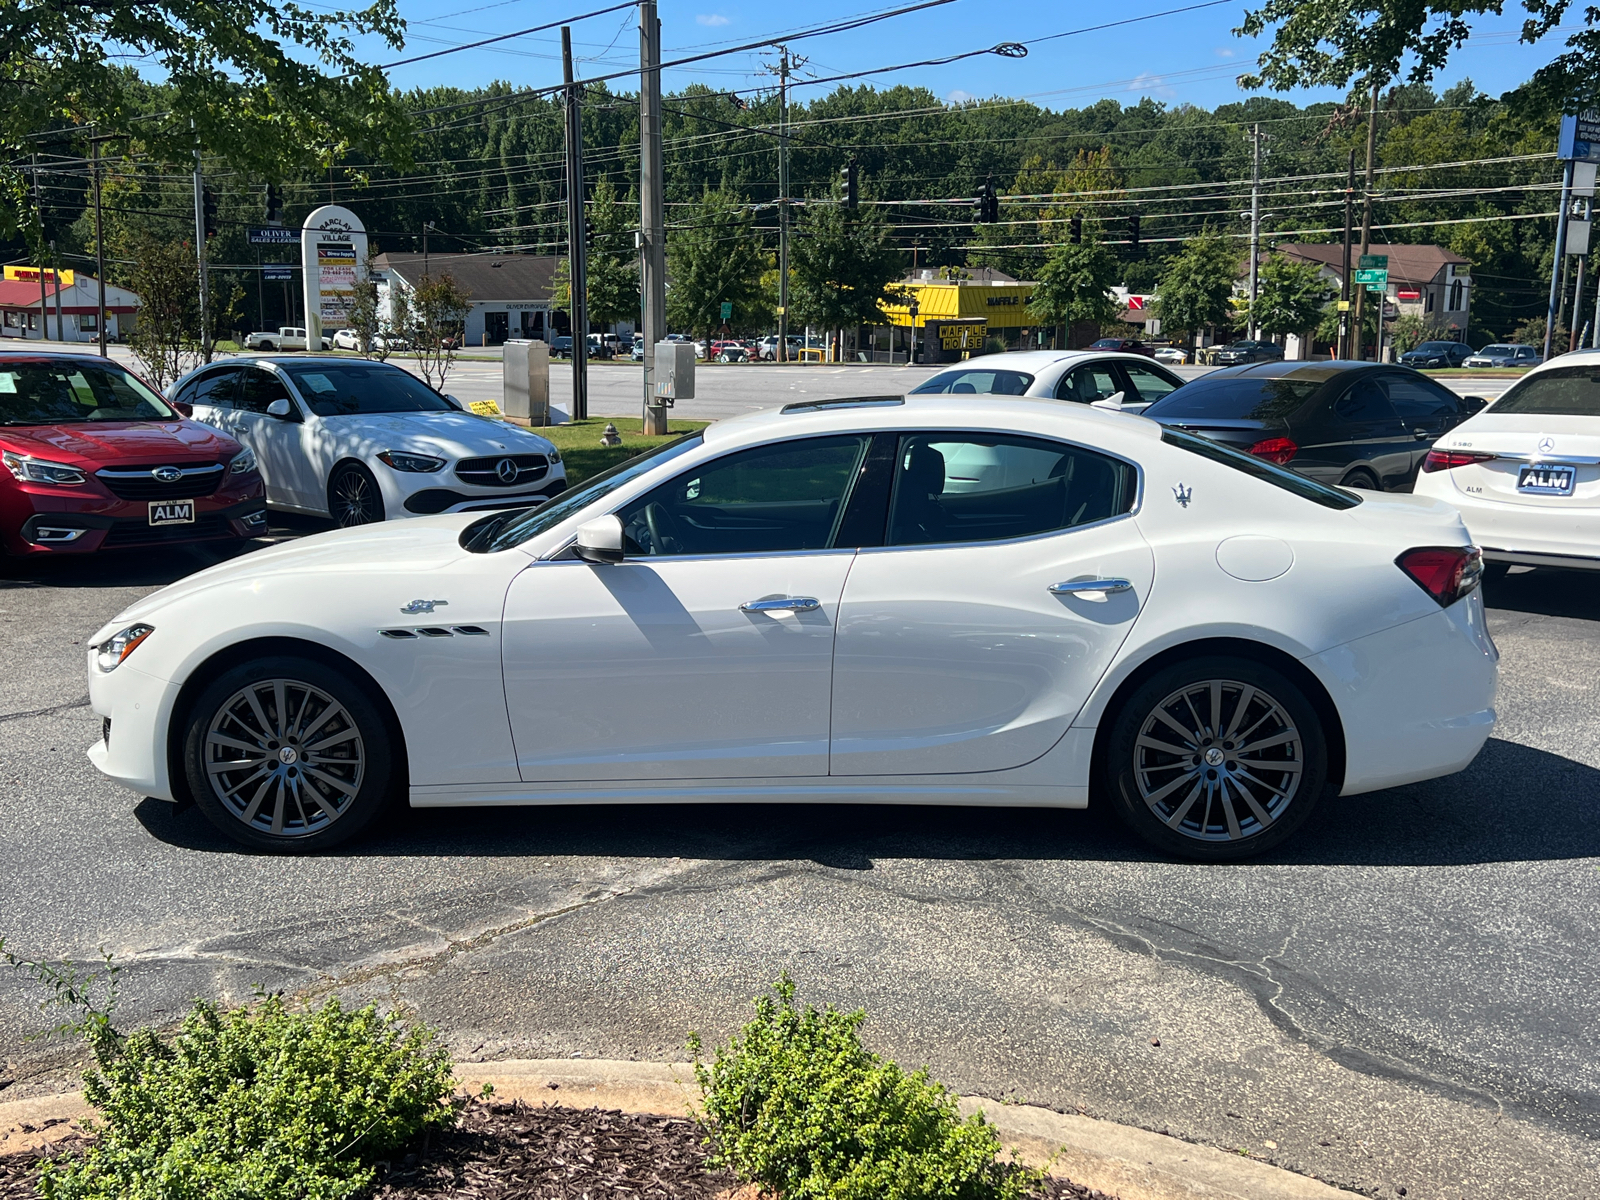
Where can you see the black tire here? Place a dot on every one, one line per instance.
(353, 496)
(267, 346)
(1151, 790)
(315, 763)
(1361, 478)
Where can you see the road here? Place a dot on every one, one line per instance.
(1408, 997)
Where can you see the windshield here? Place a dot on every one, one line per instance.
(336, 389)
(1248, 398)
(989, 381)
(1558, 392)
(1498, 350)
(1435, 347)
(1308, 489)
(58, 392)
(552, 512)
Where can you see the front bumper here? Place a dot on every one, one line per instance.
(127, 526)
(136, 709)
(433, 501)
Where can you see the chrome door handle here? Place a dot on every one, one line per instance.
(789, 604)
(1074, 586)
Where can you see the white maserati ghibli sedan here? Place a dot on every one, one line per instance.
(363, 441)
(881, 600)
(1525, 472)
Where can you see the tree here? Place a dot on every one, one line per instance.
(611, 264)
(437, 309)
(1290, 296)
(166, 337)
(1075, 285)
(844, 267)
(366, 317)
(1197, 286)
(716, 257)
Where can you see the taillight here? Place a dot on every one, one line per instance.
(1445, 460)
(1446, 573)
(1278, 450)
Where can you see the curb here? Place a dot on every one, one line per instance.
(1129, 1163)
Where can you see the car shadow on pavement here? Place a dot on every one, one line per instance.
(1546, 592)
(1513, 804)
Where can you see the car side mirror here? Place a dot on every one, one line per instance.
(1113, 402)
(600, 541)
(182, 407)
(281, 409)
(456, 404)
(1474, 403)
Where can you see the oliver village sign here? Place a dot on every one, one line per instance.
(333, 254)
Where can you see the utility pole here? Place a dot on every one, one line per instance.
(1343, 348)
(55, 269)
(1366, 227)
(44, 294)
(577, 240)
(783, 205)
(200, 253)
(652, 210)
(1577, 308)
(99, 252)
(1560, 259)
(426, 225)
(1255, 226)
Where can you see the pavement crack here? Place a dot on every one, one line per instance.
(45, 712)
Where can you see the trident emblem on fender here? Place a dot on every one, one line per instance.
(1182, 495)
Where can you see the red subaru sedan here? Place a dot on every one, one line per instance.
(95, 459)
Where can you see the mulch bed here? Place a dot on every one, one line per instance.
(514, 1151)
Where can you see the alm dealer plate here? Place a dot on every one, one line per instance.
(172, 512)
(1546, 479)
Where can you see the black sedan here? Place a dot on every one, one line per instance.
(1235, 353)
(1364, 425)
(1437, 354)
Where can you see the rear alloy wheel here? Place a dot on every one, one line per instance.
(286, 754)
(353, 496)
(1216, 759)
(1360, 479)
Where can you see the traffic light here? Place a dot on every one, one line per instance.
(274, 202)
(847, 175)
(988, 203)
(1133, 231)
(1077, 231)
(208, 209)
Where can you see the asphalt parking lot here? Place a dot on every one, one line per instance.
(1406, 997)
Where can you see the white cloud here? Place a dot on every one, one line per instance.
(1224, 52)
(959, 97)
(711, 19)
(1152, 85)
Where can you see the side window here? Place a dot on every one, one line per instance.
(259, 389)
(1090, 382)
(214, 388)
(1365, 403)
(790, 496)
(1417, 400)
(988, 487)
(1148, 386)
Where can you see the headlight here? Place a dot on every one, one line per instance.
(401, 461)
(110, 653)
(243, 462)
(555, 456)
(28, 469)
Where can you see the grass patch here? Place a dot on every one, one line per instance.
(579, 443)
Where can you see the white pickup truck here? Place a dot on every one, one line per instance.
(288, 337)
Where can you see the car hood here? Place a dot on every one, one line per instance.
(106, 442)
(453, 432)
(417, 546)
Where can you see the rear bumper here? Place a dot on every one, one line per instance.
(1417, 700)
(1535, 536)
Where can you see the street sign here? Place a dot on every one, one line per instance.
(1372, 275)
(277, 274)
(273, 235)
(1380, 286)
(1374, 262)
(727, 310)
(1579, 139)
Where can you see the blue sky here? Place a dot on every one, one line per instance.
(1187, 58)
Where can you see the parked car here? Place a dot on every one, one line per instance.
(637, 351)
(1360, 425)
(1525, 472)
(1173, 356)
(95, 459)
(288, 337)
(561, 346)
(767, 348)
(1506, 354)
(364, 441)
(709, 618)
(1437, 354)
(600, 347)
(1246, 351)
(1085, 376)
(350, 339)
(1123, 346)
(728, 352)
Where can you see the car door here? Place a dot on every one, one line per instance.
(210, 394)
(970, 640)
(277, 441)
(1425, 408)
(1089, 382)
(708, 652)
(1378, 440)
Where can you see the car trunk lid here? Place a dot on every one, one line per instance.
(1536, 459)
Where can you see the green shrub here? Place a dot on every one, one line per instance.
(796, 1103)
(256, 1104)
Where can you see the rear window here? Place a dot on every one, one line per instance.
(1307, 489)
(1498, 350)
(1249, 397)
(1558, 392)
(987, 381)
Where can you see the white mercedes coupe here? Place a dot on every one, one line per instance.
(364, 441)
(879, 600)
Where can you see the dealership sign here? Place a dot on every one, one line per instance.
(333, 255)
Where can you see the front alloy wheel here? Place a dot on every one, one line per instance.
(353, 497)
(285, 754)
(1216, 759)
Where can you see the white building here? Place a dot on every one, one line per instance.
(76, 306)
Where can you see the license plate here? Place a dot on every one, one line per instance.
(172, 512)
(1546, 481)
